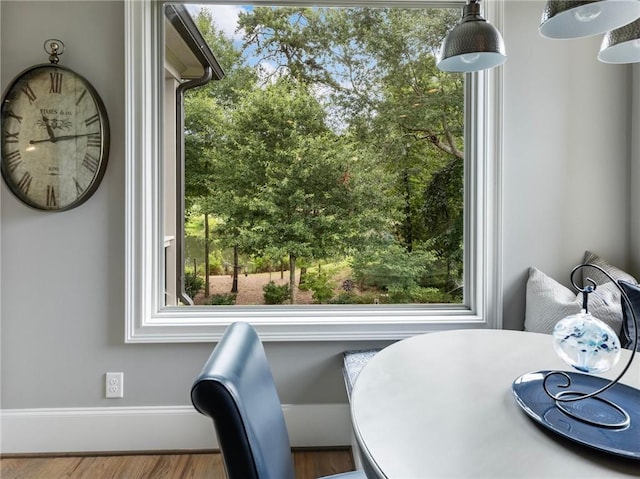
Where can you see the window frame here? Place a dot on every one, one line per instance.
(148, 321)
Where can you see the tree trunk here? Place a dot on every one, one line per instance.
(292, 278)
(234, 283)
(207, 269)
(303, 276)
(408, 220)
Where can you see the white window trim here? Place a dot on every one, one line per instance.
(147, 321)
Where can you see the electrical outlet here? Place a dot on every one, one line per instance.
(114, 385)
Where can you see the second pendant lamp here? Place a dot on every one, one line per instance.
(583, 18)
(621, 45)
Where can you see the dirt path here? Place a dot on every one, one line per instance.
(250, 287)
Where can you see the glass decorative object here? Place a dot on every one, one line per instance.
(586, 343)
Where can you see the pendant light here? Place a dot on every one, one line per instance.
(573, 19)
(474, 44)
(621, 45)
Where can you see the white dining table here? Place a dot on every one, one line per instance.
(440, 405)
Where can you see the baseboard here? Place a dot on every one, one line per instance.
(82, 430)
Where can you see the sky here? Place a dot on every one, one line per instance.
(224, 16)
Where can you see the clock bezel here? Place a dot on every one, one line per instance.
(97, 177)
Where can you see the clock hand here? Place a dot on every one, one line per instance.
(33, 142)
(52, 135)
(58, 138)
(70, 137)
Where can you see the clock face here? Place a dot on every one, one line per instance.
(54, 138)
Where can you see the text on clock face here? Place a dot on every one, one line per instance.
(53, 111)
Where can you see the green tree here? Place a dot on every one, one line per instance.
(294, 188)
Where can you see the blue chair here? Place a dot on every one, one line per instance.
(236, 389)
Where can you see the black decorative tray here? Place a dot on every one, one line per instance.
(532, 398)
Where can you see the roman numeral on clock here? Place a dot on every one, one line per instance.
(11, 114)
(84, 92)
(25, 183)
(94, 140)
(91, 120)
(90, 163)
(56, 82)
(79, 188)
(11, 137)
(26, 89)
(13, 160)
(51, 196)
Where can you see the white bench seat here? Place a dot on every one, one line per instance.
(354, 361)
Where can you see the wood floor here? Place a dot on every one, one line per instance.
(309, 464)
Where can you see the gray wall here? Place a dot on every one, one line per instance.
(567, 141)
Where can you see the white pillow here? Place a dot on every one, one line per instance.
(548, 302)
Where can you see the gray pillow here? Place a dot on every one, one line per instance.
(548, 302)
(597, 276)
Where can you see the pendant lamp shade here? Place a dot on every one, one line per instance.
(621, 45)
(473, 45)
(573, 19)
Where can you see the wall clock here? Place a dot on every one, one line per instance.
(54, 136)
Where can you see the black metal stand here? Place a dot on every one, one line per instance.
(614, 416)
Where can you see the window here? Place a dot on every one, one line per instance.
(151, 316)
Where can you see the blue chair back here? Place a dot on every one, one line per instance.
(236, 389)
